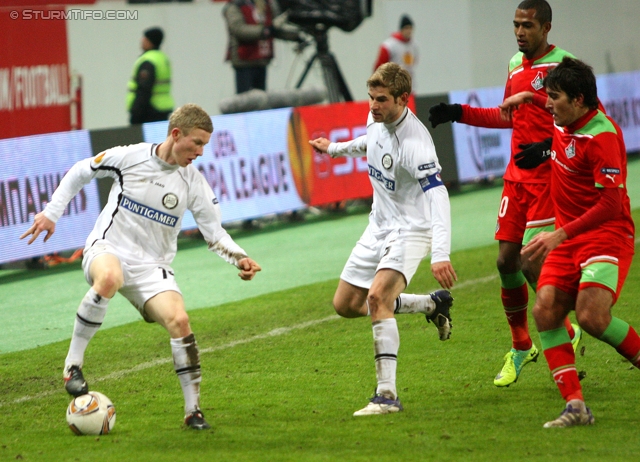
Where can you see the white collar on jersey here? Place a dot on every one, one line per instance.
(393, 125)
(161, 163)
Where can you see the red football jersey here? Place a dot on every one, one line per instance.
(588, 155)
(530, 122)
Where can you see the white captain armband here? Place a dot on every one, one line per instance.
(431, 181)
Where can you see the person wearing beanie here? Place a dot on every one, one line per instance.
(149, 98)
(405, 21)
(252, 25)
(155, 36)
(400, 48)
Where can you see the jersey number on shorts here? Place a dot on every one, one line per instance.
(504, 204)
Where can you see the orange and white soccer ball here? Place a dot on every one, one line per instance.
(91, 414)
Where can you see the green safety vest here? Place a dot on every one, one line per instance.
(161, 99)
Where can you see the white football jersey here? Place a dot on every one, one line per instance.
(408, 193)
(143, 215)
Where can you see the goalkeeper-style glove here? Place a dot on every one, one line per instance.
(443, 112)
(533, 154)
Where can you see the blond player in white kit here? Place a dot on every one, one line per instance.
(410, 218)
(134, 241)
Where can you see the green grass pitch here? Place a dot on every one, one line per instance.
(282, 376)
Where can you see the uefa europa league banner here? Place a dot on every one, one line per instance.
(260, 163)
(246, 163)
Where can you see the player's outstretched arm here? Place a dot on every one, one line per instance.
(513, 102)
(353, 148)
(40, 224)
(443, 112)
(248, 269)
(320, 144)
(444, 273)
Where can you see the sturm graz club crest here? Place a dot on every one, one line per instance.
(170, 201)
(387, 161)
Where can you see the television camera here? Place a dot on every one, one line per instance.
(315, 17)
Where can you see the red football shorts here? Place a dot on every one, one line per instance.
(525, 210)
(597, 260)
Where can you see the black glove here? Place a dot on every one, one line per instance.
(533, 154)
(443, 112)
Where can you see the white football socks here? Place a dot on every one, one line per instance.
(186, 362)
(412, 303)
(89, 317)
(386, 342)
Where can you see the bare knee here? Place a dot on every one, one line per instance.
(540, 314)
(346, 308)
(341, 309)
(593, 323)
(551, 308)
(178, 324)
(531, 271)
(505, 266)
(378, 304)
(373, 301)
(593, 310)
(546, 318)
(349, 300)
(509, 261)
(108, 282)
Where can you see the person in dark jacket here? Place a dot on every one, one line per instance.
(252, 25)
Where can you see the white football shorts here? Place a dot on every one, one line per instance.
(141, 281)
(399, 250)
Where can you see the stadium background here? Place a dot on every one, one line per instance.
(464, 44)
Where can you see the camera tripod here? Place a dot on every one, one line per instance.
(336, 86)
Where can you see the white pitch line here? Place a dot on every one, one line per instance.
(140, 367)
(473, 282)
(273, 333)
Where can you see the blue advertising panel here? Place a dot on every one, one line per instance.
(32, 167)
